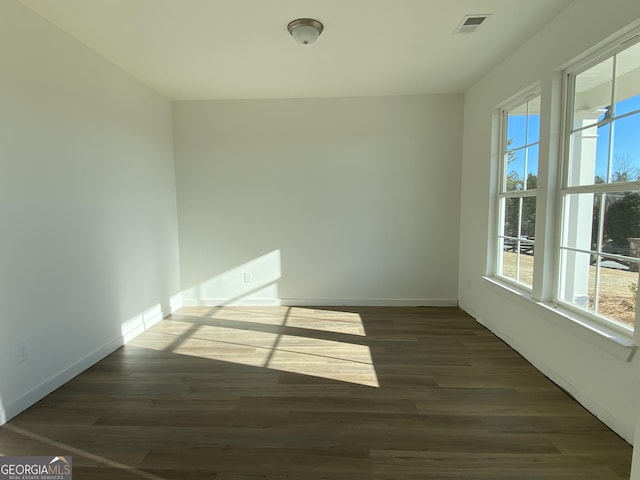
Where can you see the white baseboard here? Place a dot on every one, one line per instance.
(56, 381)
(538, 362)
(219, 302)
(140, 323)
(133, 328)
(371, 302)
(319, 302)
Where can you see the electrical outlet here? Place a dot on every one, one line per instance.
(248, 277)
(23, 353)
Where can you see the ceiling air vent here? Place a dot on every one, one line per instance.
(470, 23)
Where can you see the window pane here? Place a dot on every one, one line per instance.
(589, 156)
(517, 261)
(626, 152)
(533, 121)
(516, 127)
(528, 223)
(617, 287)
(627, 96)
(526, 263)
(621, 221)
(592, 94)
(515, 170)
(511, 217)
(578, 279)
(581, 217)
(629, 105)
(532, 167)
(509, 262)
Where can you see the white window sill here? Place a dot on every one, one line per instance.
(618, 344)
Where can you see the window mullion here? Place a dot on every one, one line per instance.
(596, 285)
(526, 152)
(598, 249)
(616, 187)
(548, 194)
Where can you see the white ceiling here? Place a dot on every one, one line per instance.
(206, 49)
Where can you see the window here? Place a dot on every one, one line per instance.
(600, 195)
(519, 149)
(587, 256)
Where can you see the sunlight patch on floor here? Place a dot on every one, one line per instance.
(348, 323)
(254, 340)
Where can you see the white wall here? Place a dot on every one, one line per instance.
(594, 371)
(88, 249)
(324, 201)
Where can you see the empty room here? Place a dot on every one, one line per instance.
(319, 239)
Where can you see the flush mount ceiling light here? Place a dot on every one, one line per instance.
(305, 30)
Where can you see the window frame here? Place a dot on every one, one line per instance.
(502, 194)
(570, 74)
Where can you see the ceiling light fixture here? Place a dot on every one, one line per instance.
(305, 30)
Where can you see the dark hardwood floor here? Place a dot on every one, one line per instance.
(258, 393)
